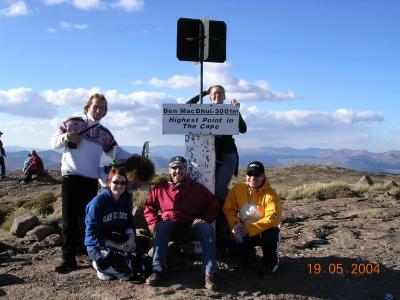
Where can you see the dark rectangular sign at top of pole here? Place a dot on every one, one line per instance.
(192, 34)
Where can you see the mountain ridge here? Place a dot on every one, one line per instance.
(384, 162)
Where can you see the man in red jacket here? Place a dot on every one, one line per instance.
(35, 167)
(181, 209)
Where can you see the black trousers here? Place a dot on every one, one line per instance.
(76, 192)
(268, 240)
(2, 167)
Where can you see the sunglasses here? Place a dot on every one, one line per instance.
(117, 182)
(177, 167)
(254, 174)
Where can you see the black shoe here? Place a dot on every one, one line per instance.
(66, 266)
(155, 278)
(269, 273)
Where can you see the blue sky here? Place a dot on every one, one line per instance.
(307, 73)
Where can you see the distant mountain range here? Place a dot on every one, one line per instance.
(385, 162)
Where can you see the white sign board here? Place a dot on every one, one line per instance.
(217, 119)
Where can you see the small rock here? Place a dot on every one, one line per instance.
(35, 248)
(391, 185)
(41, 232)
(23, 224)
(366, 180)
(52, 240)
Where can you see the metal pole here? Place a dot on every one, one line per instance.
(200, 149)
(201, 58)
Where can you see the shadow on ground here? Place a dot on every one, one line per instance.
(331, 277)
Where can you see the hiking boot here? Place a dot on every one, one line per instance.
(66, 266)
(210, 282)
(155, 278)
(269, 273)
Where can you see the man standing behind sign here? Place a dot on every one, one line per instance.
(227, 161)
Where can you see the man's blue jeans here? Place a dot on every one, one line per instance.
(167, 231)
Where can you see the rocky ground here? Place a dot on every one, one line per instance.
(345, 248)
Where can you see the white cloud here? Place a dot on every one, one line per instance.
(51, 30)
(125, 5)
(138, 82)
(15, 8)
(68, 26)
(25, 102)
(175, 82)
(308, 119)
(129, 5)
(235, 87)
(54, 2)
(65, 97)
(87, 4)
(135, 117)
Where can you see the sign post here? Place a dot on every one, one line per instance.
(201, 41)
(200, 122)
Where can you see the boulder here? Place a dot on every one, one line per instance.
(41, 232)
(391, 185)
(366, 180)
(22, 224)
(52, 240)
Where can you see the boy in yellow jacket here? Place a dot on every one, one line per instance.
(254, 212)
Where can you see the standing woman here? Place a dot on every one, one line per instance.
(2, 163)
(227, 160)
(83, 140)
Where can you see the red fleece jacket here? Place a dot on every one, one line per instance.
(181, 204)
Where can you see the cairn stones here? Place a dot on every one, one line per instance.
(366, 180)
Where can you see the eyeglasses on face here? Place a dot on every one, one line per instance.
(177, 167)
(253, 174)
(117, 182)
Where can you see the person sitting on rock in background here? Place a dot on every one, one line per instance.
(181, 209)
(254, 212)
(110, 237)
(2, 163)
(84, 140)
(26, 162)
(35, 167)
(227, 162)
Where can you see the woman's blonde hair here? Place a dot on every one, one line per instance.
(90, 100)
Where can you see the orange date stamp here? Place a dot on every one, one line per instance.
(337, 269)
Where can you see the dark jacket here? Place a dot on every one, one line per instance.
(104, 215)
(35, 166)
(224, 143)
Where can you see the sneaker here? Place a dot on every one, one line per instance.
(110, 273)
(210, 282)
(101, 275)
(269, 273)
(66, 266)
(155, 278)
